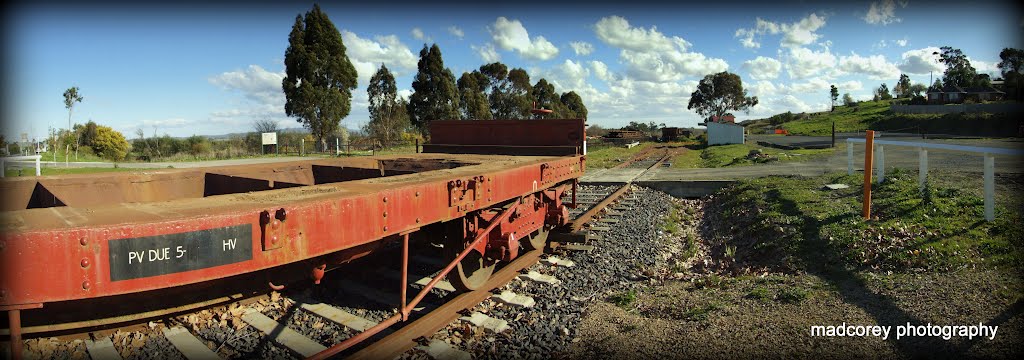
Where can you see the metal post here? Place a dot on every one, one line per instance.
(881, 164)
(337, 146)
(849, 158)
(833, 131)
(405, 273)
(38, 171)
(14, 321)
(3, 168)
(990, 187)
(417, 146)
(922, 166)
(302, 147)
(869, 143)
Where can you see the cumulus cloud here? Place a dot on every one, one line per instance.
(852, 85)
(803, 62)
(650, 55)
(582, 48)
(793, 104)
(802, 32)
(921, 61)
(456, 32)
(763, 88)
(367, 55)
(487, 53)
(601, 71)
(902, 42)
(255, 83)
(616, 31)
(260, 88)
(763, 68)
(510, 35)
(417, 33)
(883, 12)
(873, 66)
(985, 67)
(811, 86)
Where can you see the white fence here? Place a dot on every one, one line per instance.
(922, 151)
(958, 108)
(5, 160)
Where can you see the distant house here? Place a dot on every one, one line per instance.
(952, 94)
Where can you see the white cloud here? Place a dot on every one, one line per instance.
(367, 55)
(456, 32)
(582, 48)
(811, 86)
(902, 42)
(487, 53)
(803, 62)
(510, 35)
(983, 67)
(791, 103)
(260, 88)
(874, 66)
(601, 71)
(921, 61)
(404, 93)
(417, 33)
(649, 55)
(802, 32)
(569, 75)
(848, 86)
(763, 68)
(615, 31)
(883, 12)
(255, 83)
(763, 88)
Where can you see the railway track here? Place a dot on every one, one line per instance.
(329, 319)
(300, 322)
(303, 321)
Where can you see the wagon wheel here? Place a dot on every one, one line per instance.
(537, 240)
(472, 272)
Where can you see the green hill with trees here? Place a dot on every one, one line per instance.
(877, 115)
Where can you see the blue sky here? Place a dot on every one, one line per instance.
(207, 70)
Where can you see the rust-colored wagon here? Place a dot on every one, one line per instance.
(488, 187)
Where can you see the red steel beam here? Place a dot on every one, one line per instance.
(72, 262)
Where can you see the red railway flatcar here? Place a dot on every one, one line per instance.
(489, 186)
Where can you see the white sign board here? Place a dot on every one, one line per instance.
(270, 138)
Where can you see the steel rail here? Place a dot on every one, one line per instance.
(404, 339)
(403, 313)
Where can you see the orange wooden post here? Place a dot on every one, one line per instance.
(869, 155)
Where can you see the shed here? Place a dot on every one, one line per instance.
(723, 134)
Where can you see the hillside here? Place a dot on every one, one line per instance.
(876, 115)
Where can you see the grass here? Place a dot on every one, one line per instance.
(85, 154)
(624, 300)
(610, 156)
(46, 171)
(736, 155)
(802, 226)
(876, 115)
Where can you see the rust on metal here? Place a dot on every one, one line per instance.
(405, 338)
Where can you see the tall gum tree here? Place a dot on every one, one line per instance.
(319, 76)
(718, 94)
(435, 96)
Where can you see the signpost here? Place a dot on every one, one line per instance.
(269, 138)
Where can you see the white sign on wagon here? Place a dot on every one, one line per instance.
(270, 138)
